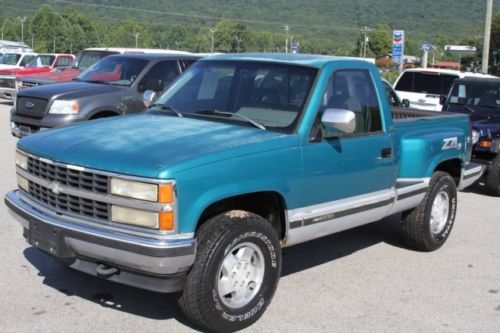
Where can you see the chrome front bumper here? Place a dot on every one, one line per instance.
(157, 264)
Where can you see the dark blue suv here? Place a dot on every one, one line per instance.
(480, 99)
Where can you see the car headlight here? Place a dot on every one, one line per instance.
(64, 107)
(475, 137)
(23, 183)
(21, 160)
(162, 193)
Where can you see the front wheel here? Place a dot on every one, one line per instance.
(235, 273)
(427, 226)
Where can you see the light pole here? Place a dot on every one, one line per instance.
(136, 35)
(177, 44)
(238, 41)
(287, 28)
(23, 19)
(487, 32)
(212, 32)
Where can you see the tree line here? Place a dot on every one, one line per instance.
(48, 30)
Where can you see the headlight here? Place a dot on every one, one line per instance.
(475, 137)
(158, 220)
(162, 193)
(21, 160)
(64, 107)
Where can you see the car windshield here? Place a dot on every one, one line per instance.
(121, 71)
(10, 59)
(265, 95)
(475, 94)
(87, 58)
(426, 82)
(41, 61)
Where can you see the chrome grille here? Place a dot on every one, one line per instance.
(84, 180)
(7, 83)
(69, 203)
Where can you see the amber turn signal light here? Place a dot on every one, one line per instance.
(166, 221)
(166, 193)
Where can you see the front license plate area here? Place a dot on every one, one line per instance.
(24, 131)
(49, 239)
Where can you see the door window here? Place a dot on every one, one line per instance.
(160, 76)
(354, 90)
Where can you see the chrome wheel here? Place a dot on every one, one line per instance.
(439, 212)
(240, 275)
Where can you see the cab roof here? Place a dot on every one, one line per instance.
(309, 60)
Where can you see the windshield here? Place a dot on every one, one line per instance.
(426, 82)
(87, 58)
(272, 95)
(10, 59)
(121, 71)
(476, 94)
(41, 61)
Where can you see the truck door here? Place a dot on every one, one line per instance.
(348, 177)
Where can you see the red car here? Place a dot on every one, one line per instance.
(42, 63)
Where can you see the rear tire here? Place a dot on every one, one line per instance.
(235, 273)
(493, 178)
(428, 226)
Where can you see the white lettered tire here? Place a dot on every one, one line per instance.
(235, 274)
(428, 226)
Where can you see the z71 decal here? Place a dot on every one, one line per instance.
(451, 143)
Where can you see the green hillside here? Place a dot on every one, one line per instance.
(338, 21)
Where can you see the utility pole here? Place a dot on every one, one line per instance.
(177, 44)
(212, 32)
(365, 41)
(487, 33)
(287, 28)
(238, 41)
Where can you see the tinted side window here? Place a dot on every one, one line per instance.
(354, 90)
(160, 76)
(405, 83)
(426, 83)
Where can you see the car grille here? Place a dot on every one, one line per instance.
(28, 84)
(77, 179)
(7, 83)
(69, 203)
(33, 107)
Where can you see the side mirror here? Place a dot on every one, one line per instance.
(405, 103)
(339, 119)
(148, 97)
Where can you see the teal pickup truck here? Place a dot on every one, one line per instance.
(243, 155)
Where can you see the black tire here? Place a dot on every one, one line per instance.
(418, 231)
(217, 239)
(492, 180)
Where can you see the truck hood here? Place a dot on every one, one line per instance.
(152, 145)
(25, 71)
(57, 76)
(68, 90)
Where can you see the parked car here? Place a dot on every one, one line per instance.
(85, 59)
(42, 63)
(243, 155)
(112, 86)
(12, 60)
(424, 87)
(480, 99)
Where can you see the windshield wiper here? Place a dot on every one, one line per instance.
(469, 108)
(96, 81)
(167, 107)
(224, 113)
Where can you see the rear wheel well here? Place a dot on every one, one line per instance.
(453, 168)
(103, 114)
(268, 205)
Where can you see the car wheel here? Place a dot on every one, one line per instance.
(493, 178)
(428, 226)
(235, 273)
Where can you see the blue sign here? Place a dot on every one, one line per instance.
(398, 46)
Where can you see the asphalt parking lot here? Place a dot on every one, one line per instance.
(362, 280)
